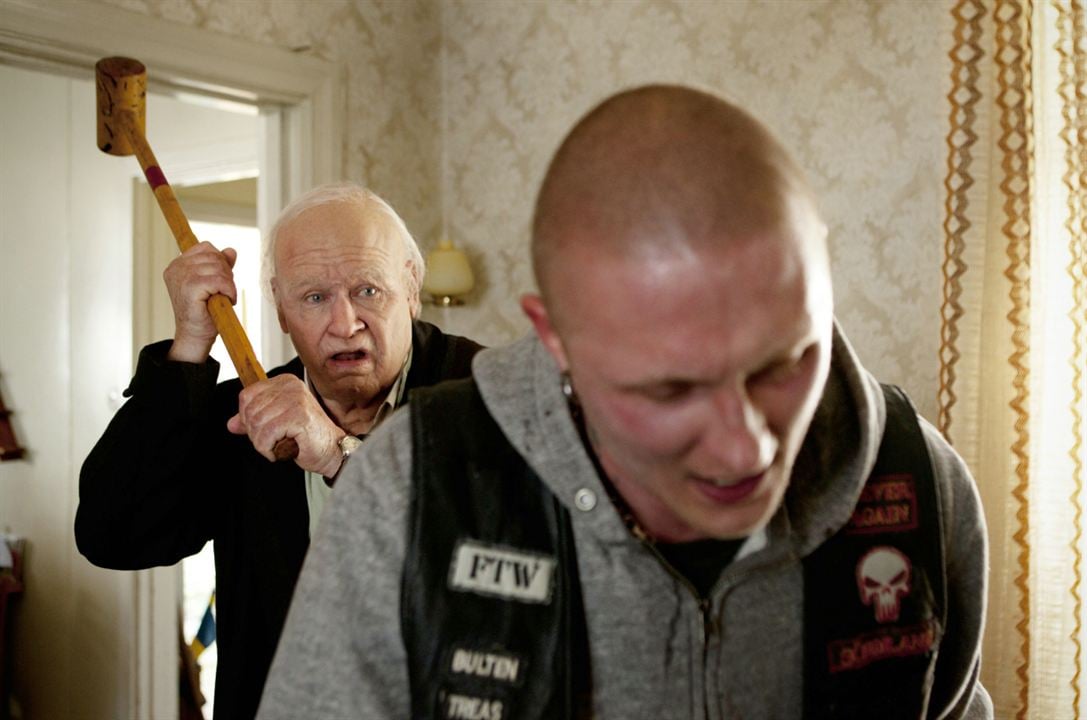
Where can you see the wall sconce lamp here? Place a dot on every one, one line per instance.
(448, 275)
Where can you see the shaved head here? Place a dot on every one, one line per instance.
(662, 168)
(685, 294)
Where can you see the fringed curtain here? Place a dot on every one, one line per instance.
(1014, 332)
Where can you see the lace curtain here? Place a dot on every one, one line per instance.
(1013, 354)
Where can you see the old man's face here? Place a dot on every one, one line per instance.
(341, 295)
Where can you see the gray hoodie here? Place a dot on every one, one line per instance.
(341, 655)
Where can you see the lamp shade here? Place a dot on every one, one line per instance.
(448, 272)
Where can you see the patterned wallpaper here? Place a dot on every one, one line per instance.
(856, 90)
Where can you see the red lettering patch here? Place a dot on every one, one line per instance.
(887, 504)
(866, 648)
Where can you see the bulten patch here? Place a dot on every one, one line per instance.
(502, 572)
(486, 664)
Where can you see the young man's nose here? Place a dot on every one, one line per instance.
(736, 440)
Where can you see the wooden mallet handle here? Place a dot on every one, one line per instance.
(122, 103)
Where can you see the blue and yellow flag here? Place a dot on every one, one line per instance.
(205, 635)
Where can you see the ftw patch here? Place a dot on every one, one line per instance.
(502, 572)
(887, 504)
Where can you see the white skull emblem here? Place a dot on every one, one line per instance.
(883, 576)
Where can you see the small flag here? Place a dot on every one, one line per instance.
(205, 635)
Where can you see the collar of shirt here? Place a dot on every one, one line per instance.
(317, 490)
(392, 399)
(395, 396)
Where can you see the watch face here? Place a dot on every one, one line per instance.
(349, 444)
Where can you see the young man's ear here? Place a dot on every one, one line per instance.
(533, 307)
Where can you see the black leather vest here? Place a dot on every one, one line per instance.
(875, 598)
(491, 606)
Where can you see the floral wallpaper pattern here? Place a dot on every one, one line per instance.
(855, 89)
(387, 50)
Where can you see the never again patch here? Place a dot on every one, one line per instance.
(502, 572)
(887, 504)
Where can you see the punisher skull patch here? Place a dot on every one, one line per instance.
(883, 579)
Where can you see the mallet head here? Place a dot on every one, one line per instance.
(122, 97)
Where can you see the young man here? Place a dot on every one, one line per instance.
(683, 497)
(186, 461)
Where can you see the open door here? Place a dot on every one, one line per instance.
(211, 154)
(90, 642)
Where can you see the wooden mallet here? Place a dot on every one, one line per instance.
(122, 104)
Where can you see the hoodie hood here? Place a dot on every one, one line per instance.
(838, 453)
(522, 388)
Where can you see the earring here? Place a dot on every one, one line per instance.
(568, 388)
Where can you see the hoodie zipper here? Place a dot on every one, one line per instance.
(710, 626)
(705, 609)
(705, 604)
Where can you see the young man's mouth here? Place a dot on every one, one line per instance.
(732, 492)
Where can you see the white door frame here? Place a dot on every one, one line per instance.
(301, 101)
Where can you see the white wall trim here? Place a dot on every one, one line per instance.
(213, 162)
(220, 212)
(78, 34)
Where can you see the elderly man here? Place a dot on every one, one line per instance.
(186, 461)
(683, 497)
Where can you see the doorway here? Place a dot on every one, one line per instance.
(75, 296)
(223, 213)
(214, 153)
(86, 643)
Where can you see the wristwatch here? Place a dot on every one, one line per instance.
(349, 444)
